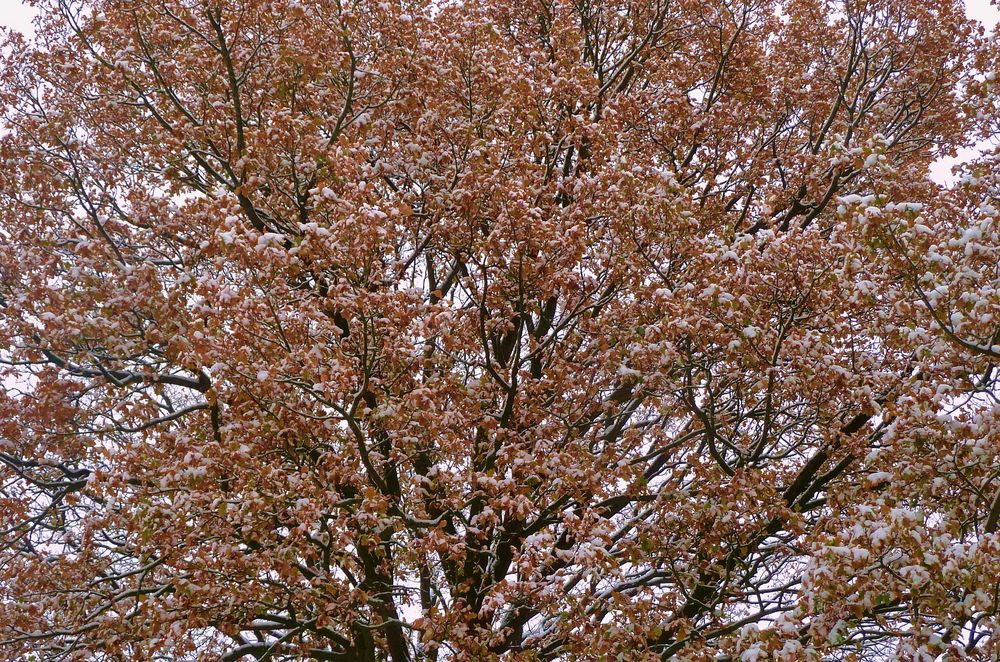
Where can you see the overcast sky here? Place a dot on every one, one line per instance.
(982, 10)
(15, 14)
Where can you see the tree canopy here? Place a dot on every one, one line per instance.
(427, 330)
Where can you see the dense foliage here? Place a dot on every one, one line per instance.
(499, 329)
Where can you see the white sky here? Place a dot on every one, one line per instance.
(978, 9)
(15, 14)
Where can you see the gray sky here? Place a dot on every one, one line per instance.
(982, 10)
(15, 14)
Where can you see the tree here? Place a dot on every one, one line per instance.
(499, 329)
